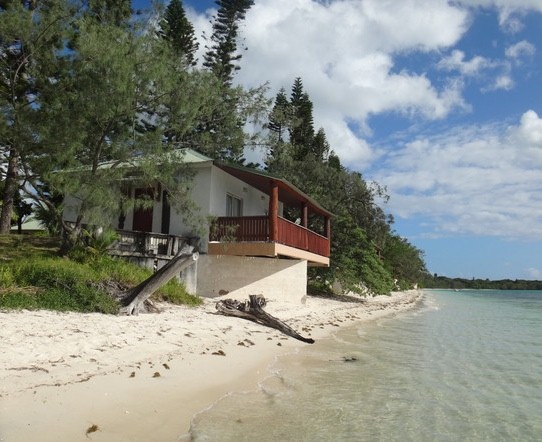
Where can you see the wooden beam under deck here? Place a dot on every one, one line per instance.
(267, 249)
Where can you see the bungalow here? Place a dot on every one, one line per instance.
(249, 247)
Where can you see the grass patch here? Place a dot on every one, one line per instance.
(14, 247)
(32, 276)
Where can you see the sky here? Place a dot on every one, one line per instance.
(439, 101)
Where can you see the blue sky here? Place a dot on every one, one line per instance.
(439, 101)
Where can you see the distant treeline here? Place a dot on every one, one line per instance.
(443, 282)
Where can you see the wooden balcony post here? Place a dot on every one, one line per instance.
(274, 212)
(327, 233)
(304, 215)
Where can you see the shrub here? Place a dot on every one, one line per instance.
(41, 280)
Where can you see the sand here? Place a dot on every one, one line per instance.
(81, 377)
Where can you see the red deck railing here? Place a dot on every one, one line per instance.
(256, 228)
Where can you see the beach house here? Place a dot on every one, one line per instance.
(247, 246)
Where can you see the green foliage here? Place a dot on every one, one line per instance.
(221, 56)
(444, 282)
(404, 261)
(59, 285)
(374, 275)
(95, 245)
(360, 228)
(129, 275)
(50, 214)
(317, 286)
(31, 33)
(21, 247)
(301, 128)
(42, 280)
(115, 12)
(356, 264)
(177, 30)
(175, 293)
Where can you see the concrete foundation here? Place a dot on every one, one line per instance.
(282, 280)
(210, 276)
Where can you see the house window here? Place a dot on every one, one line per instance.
(234, 205)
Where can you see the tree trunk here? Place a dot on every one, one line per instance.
(253, 311)
(135, 298)
(10, 189)
(71, 235)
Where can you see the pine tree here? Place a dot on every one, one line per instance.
(280, 116)
(320, 145)
(179, 32)
(224, 132)
(302, 125)
(221, 56)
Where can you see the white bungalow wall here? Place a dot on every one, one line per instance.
(255, 203)
(71, 206)
(208, 191)
(200, 194)
(210, 187)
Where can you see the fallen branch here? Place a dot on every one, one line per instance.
(252, 310)
(135, 298)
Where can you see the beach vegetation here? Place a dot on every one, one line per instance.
(44, 280)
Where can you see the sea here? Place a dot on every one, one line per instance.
(461, 366)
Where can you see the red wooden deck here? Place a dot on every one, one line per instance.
(257, 229)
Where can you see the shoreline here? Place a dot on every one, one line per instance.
(147, 376)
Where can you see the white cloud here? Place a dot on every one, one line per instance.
(456, 61)
(502, 82)
(483, 68)
(519, 50)
(344, 51)
(482, 180)
(511, 12)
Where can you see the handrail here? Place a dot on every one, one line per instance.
(256, 229)
(147, 243)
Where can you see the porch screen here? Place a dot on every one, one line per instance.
(234, 206)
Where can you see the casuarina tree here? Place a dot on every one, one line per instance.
(31, 33)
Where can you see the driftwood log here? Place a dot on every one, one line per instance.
(252, 310)
(133, 301)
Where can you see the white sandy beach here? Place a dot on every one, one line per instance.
(144, 377)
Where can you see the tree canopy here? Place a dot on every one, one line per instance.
(82, 87)
(89, 93)
(365, 250)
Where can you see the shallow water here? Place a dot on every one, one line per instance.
(463, 366)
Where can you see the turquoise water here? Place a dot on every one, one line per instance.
(463, 366)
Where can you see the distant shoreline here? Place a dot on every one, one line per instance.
(121, 378)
